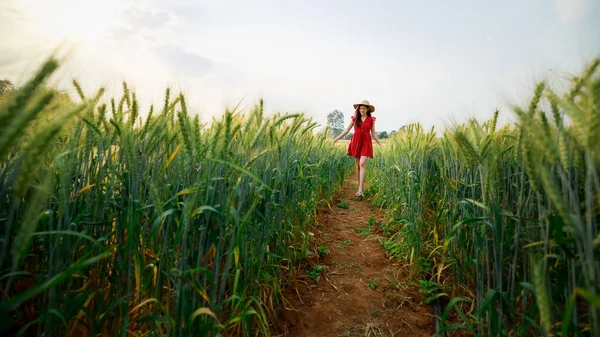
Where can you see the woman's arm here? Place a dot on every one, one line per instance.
(345, 132)
(374, 134)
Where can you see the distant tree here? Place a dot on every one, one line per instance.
(383, 135)
(335, 122)
(6, 86)
(393, 133)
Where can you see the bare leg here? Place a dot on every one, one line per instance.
(357, 161)
(363, 167)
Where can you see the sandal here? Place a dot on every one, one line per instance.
(360, 194)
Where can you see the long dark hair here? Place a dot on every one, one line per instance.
(357, 116)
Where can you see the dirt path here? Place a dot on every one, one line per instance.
(362, 292)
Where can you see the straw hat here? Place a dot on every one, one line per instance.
(366, 103)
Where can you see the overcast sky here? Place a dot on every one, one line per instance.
(416, 61)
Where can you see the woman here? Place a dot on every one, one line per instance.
(360, 146)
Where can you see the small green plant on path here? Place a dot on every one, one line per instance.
(371, 221)
(351, 266)
(342, 245)
(323, 250)
(372, 283)
(363, 231)
(430, 289)
(316, 272)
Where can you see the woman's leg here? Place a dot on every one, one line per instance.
(357, 161)
(363, 166)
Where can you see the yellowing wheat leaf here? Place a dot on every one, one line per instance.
(172, 156)
(85, 189)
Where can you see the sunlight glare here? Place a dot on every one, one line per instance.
(79, 21)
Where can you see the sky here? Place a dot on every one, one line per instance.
(433, 62)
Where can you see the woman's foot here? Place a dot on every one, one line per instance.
(359, 193)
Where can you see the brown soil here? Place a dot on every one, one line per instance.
(363, 292)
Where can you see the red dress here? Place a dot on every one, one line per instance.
(361, 144)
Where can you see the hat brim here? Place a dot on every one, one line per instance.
(371, 108)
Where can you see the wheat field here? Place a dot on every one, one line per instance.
(164, 226)
(501, 224)
(114, 224)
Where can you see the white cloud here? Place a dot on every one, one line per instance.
(131, 41)
(572, 10)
